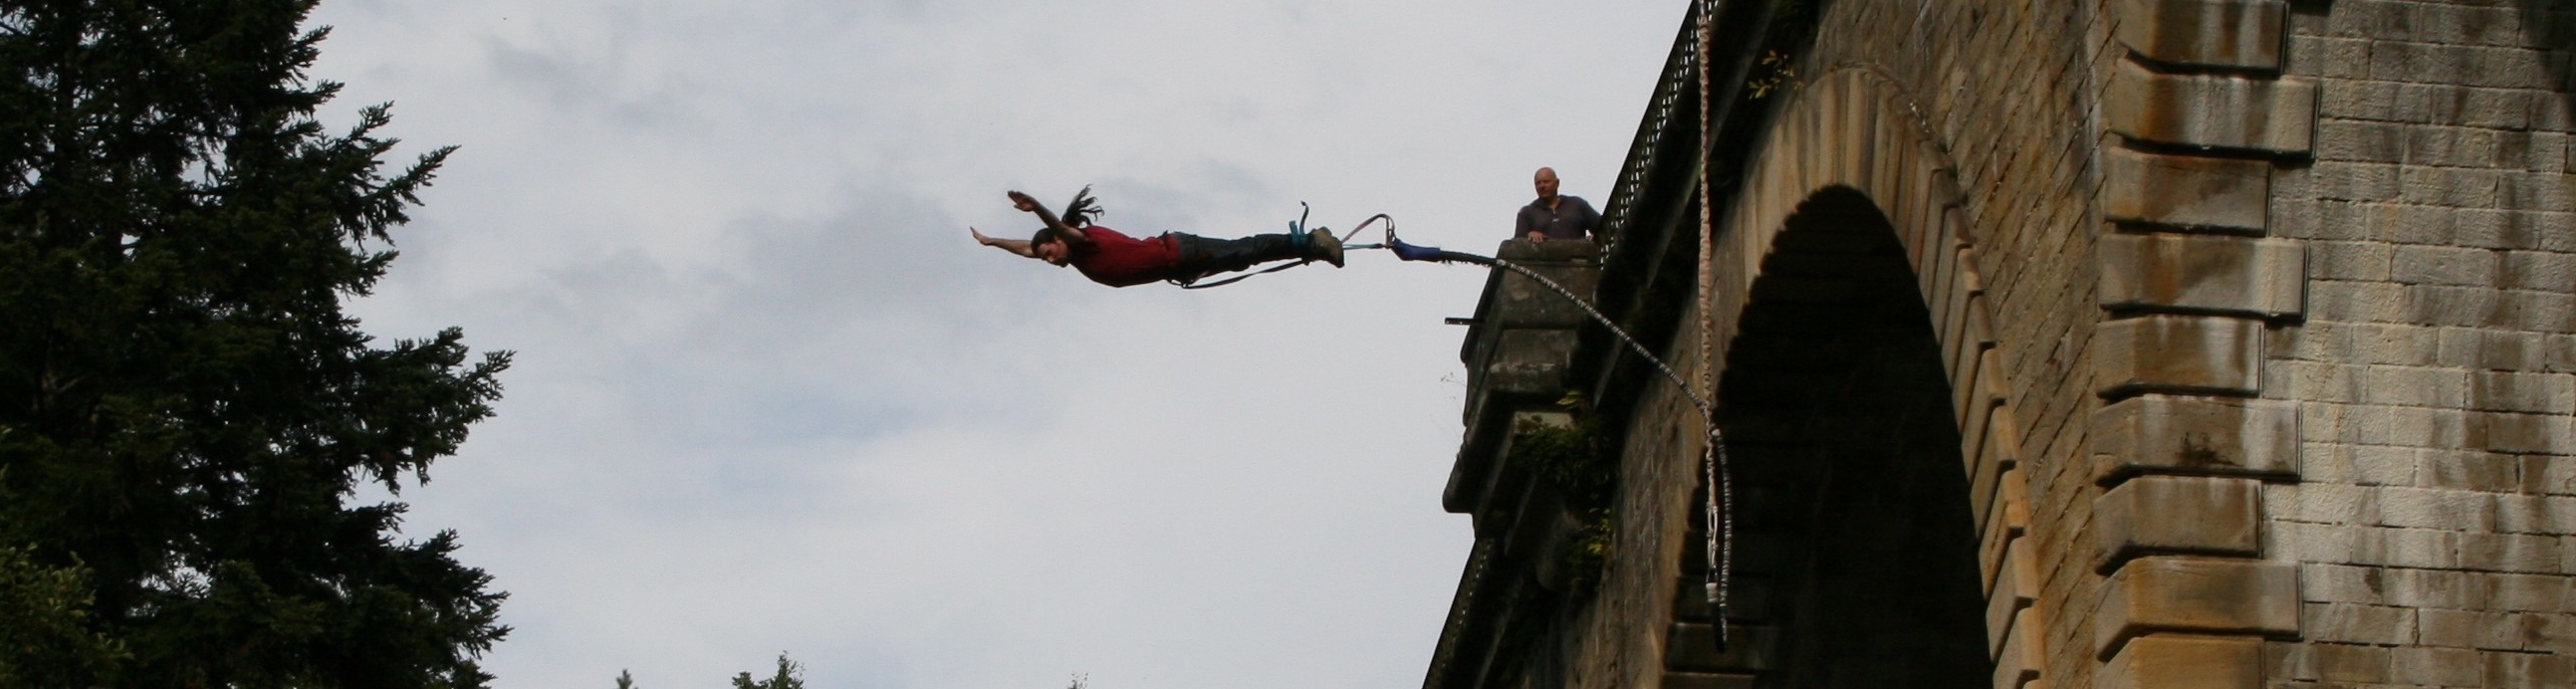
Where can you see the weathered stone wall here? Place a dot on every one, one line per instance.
(2258, 319)
(1967, 124)
(2198, 120)
(1621, 636)
(2432, 525)
(1987, 104)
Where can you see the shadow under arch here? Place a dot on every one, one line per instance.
(1855, 523)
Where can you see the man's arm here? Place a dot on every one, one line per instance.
(1523, 228)
(1591, 221)
(1028, 203)
(1016, 246)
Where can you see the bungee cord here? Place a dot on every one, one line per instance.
(1716, 470)
(1297, 229)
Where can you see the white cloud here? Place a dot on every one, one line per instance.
(770, 397)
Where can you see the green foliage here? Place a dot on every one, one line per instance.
(788, 676)
(1578, 461)
(184, 407)
(1571, 457)
(1780, 73)
(45, 640)
(1791, 32)
(1589, 555)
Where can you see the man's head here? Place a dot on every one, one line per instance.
(1545, 180)
(1050, 247)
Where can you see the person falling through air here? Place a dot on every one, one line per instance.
(1117, 260)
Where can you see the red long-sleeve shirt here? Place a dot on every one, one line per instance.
(1118, 260)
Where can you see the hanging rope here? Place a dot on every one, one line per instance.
(1715, 470)
(1719, 478)
(1713, 461)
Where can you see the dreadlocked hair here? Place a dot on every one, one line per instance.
(1082, 210)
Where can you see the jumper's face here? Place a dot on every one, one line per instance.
(1545, 181)
(1053, 251)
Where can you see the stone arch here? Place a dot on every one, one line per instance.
(1847, 464)
(2280, 322)
(1845, 258)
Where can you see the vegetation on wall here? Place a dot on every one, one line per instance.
(1791, 32)
(1588, 556)
(1776, 73)
(1575, 459)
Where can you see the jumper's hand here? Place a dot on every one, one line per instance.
(1024, 202)
(979, 236)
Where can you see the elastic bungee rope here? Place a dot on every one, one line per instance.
(1297, 232)
(1716, 470)
(1714, 467)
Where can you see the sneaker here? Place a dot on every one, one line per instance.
(1321, 244)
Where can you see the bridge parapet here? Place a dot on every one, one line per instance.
(1521, 343)
(2255, 318)
(1518, 352)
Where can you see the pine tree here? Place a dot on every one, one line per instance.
(185, 409)
(789, 675)
(43, 639)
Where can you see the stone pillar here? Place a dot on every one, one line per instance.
(2200, 117)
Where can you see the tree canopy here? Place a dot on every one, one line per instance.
(789, 675)
(185, 408)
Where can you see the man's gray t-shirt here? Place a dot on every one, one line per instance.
(1572, 219)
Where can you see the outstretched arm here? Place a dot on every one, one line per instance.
(1028, 203)
(1016, 246)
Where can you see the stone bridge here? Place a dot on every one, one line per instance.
(2124, 344)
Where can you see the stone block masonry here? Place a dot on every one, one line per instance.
(2192, 292)
(2253, 323)
(2441, 243)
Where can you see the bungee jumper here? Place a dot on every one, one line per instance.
(1116, 260)
(1112, 258)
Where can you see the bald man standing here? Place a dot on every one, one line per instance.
(1556, 216)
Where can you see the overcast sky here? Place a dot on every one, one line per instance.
(771, 397)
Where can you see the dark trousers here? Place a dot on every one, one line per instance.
(1202, 256)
